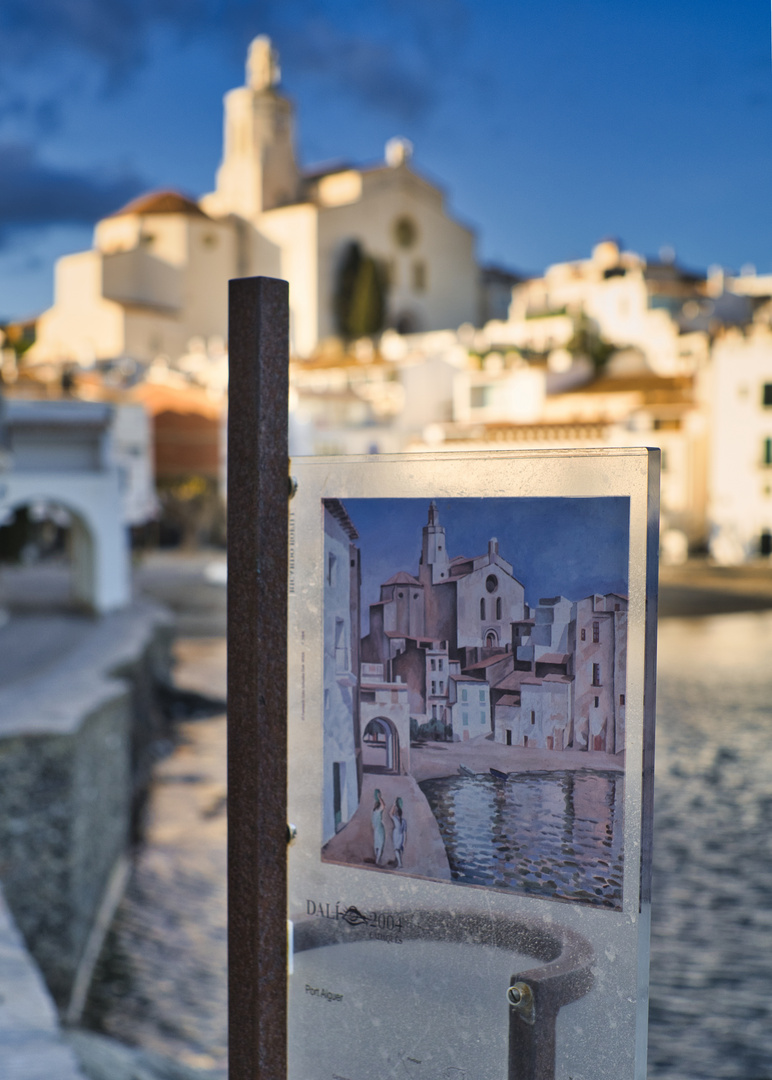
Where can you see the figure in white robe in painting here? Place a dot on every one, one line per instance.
(399, 833)
(379, 829)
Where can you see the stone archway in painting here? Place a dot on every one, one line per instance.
(380, 746)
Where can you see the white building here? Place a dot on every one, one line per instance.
(740, 506)
(157, 275)
(60, 455)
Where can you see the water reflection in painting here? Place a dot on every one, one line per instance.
(556, 834)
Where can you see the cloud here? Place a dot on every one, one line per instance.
(113, 32)
(392, 77)
(390, 53)
(34, 193)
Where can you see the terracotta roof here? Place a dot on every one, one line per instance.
(489, 660)
(159, 398)
(553, 658)
(403, 578)
(509, 699)
(161, 202)
(514, 680)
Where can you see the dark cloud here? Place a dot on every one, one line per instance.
(391, 54)
(34, 194)
(113, 32)
(392, 77)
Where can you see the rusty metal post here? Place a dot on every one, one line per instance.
(257, 676)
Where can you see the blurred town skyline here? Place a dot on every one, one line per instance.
(549, 129)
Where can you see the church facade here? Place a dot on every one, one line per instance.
(157, 275)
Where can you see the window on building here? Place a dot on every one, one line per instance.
(405, 232)
(595, 633)
(434, 665)
(767, 452)
(415, 595)
(621, 699)
(766, 395)
(596, 674)
(482, 609)
(533, 716)
(419, 276)
(465, 718)
(482, 717)
(498, 607)
(332, 569)
(400, 595)
(765, 542)
(434, 687)
(434, 712)
(464, 694)
(482, 697)
(442, 686)
(597, 702)
(583, 635)
(617, 607)
(341, 651)
(480, 396)
(439, 662)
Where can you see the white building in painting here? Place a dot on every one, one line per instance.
(567, 686)
(342, 745)
(385, 722)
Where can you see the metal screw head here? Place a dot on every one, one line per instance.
(520, 997)
(292, 833)
(293, 486)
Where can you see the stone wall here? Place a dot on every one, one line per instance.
(75, 753)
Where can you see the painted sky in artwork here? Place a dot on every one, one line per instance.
(551, 125)
(568, 547)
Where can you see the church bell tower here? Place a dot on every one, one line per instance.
(258, 170)
(434, 568)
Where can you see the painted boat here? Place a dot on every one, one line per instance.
(497, 774)
(466, 771)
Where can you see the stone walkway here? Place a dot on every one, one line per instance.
(424, 850)
(31, 1043)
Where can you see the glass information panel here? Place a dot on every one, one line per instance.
(470, 735)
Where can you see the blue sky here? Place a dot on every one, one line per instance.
(567, 547)
(550, 125)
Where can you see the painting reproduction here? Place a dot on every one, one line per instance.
(474, 692)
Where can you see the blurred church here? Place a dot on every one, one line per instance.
(363, 248)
